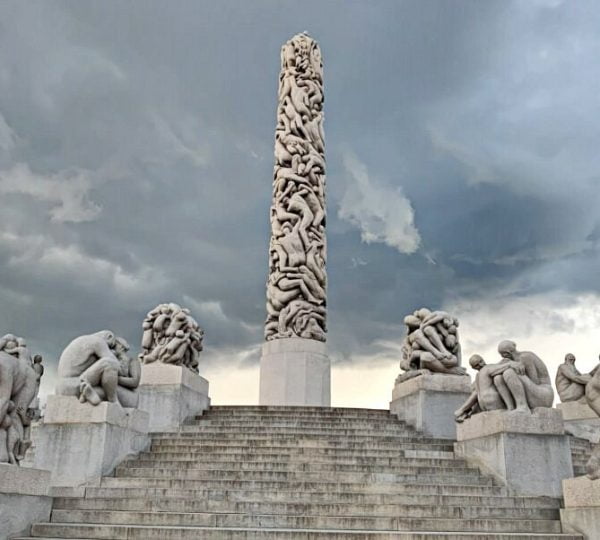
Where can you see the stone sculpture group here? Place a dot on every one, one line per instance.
(20, 376)
(172, 336)
(431, 345)
(297, 283)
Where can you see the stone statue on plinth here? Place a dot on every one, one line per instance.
(519, 382)
(96, 368)
(172, 336)
(19, 385)
(570, 383)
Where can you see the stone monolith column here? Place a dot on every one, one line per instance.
(295, 368)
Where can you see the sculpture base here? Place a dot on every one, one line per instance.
(580, 420)
(527, 452)
(171, 395)
(23, 499)
(295, 371)
(427, 402)
(581, 514)
(79, 443)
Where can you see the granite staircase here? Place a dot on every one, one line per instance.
(299, 473)
(581, 450)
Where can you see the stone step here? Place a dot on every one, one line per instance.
(279, 491)
(105, 519)
(218, 499)
(356, 482)
(298, 463)
(311, 509)
(314, 431)
(66, 531)
(294, 410)
(298, 423)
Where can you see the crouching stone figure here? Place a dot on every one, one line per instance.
(96, 368)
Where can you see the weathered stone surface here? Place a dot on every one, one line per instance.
(428, 402)
(295, 371)
(529, 453)
(79, 443)
(171, 395)
(582, 507)
(581, 492)
(24, 499)
(576, 410)
(542, 421)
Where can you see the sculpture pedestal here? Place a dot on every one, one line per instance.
(427, 402)
(79, 443)
(580, 420)
(23, 499)
(527, 452)
(581, 514)
(171, 395)
(295, 371)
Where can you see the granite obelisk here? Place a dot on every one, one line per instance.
(295, 368)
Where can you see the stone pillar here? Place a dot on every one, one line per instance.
(297, 284)
(24, 499)
(527, 452)
(581, 514)
(580, 420)
(79, 443)
(427, 402)
(171, 395)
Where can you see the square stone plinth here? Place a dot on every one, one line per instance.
(580, 420)
(527, 452)
(24, 499)
(295, 371)
(79, 442)
(427, 402)
(582, 507)
(171, 395)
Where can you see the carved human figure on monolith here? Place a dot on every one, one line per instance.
(172, 336)
(19, 384)
(519, 382)
(431, 345)
(92, 367)
(570, 383)
(297, 284)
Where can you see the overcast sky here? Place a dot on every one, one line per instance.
(136, 155)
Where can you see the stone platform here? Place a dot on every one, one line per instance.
(79, 443)
(527, 452)
(427, 402)
(580, 421)
(295, 371)
(582, 507)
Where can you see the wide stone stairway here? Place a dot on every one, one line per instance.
(299, 472)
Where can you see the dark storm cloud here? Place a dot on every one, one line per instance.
(136, 160)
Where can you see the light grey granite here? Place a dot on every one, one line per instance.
(24, 499)
(431, 345)
(527, 452)
(79, 443)
(297, 283)
(171, 336)
(427, 402)
(295, 371)
(582, 507)
(171, 395)
(20, 376)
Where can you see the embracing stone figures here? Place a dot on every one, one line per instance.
(431, 345)
(20, 376)
(297, 284)
(172, 336)
(519, 382)
(96, 368)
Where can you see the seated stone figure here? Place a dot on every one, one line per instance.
(519, 382)
(18, 389)
(92, 367)
(570, 383)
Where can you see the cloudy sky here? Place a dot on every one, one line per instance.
(136, 154)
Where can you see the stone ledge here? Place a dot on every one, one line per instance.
(581, 492)
(435, 382)
(576, 410)
(159, 374)
(23, 480)
(69, 410)
(542, 421)
(294, 345)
